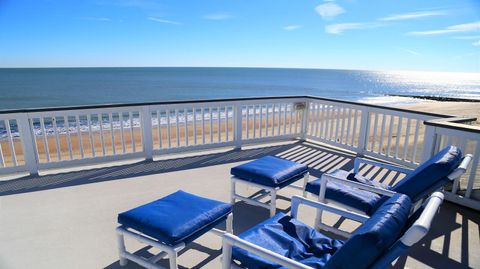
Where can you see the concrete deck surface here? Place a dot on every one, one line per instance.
(67, 220)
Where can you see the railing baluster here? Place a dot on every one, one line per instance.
(211, 125)
(415, 140)
(247, 124)
(2, 161)
(382, 133)
(159, 129)
(79, 136)
(267, 118)
(57, 138)
(343, 125)
(354, 130)
(185, 120)
(122, 131)
(177, 127)
(90, 135)
(219, 125)
(45, 142)
(297, 114)
(285, 119)
(226, 123)
(112, 133)
(254, 121)
(132, 131)
(317, 120)
(11, 144)
(194, 112)
(473, 170)
(168, 129)
(273, 120)
(203, 126)
(397, 141)
(347, 135)
(375, 128)
(390, 133)
(407, 136)
(332, 122)
(69, 138)
(279, 118)
(102, 138)
(261, 122)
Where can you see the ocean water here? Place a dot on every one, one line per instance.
(50, 87)
(47, 87)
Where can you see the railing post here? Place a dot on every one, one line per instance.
(364, 130)
(147, 133)
(238, 123)
(28, 142)
(305, 114)
(429, 142)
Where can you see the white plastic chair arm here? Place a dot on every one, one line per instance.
(358, 185)
(297, 200)
(462, 168)
(421, 227)
(359, 161)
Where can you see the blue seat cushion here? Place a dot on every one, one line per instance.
(373, 237)
(178, 217)
(270, 171)
(364, 201)
(288, 237)
(430, 175)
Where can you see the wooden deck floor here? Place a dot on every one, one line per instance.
(67, 219)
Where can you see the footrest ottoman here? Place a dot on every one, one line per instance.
(172, 221)
(269, 173)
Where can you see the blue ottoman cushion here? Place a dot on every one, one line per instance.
(178, 217)
(364, 201)
(270, 171)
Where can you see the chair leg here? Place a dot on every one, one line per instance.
(305, 181)
(230, 223)
(172, 256)
(121, 249)
(232, 191)
(273, 202)
(226, 255)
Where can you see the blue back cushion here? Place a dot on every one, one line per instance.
(376, 235)
(431, 175)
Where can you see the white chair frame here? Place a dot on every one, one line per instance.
(166, 251)
(272, 191)
(414, 234)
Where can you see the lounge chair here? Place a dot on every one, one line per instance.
(363, 195)
(284, 242)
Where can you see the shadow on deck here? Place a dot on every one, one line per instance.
(452, 243)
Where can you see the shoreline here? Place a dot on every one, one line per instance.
(436, 98)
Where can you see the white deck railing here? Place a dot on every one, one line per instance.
(37, 139)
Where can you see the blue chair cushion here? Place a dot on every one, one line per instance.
(364, 201)
(289, 237)
(178, 217)
(375, 236)
(430, 175)
(270, 171)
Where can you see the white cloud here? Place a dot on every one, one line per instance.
(341, 27)
(164, 21)
(459, 28)
(476, 43)
(329, 10)
(292, 27)
(411, 51)
(218, 16)
(412, 15)
(471, 37)
(96, 19)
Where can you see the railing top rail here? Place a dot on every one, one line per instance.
(100, 106)
(447, 123)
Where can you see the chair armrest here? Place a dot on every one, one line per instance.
(359, 161)
(422, 225)
(230, 240)
(297, 200)
(358, 185)
(462, 168)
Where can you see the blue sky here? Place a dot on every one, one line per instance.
(353, 34)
